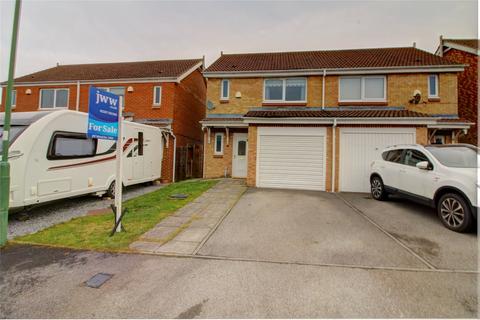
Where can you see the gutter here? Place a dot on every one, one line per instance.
(335, 71)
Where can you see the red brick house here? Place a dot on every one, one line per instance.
(170, 94)
(465, 51)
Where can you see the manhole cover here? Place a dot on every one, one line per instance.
(98, 280)
(178, 196)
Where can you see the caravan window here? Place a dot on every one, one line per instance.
(70, 145)
(140, 143)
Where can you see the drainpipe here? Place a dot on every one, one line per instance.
(323, 88)
(77, 105)
(334, 127)
(204, 153)
(174, 154)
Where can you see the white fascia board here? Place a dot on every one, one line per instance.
(102, 81)
(189, 71)
(310, 120)
(224, 124)
(320, 72)
(450, 126)
(457, 46)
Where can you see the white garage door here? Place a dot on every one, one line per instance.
(359, 147)
(291, 158)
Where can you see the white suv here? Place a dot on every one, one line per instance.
(442, 176)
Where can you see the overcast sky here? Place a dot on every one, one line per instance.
(70, 32)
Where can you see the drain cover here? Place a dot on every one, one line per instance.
(98, 280)
(179, 196)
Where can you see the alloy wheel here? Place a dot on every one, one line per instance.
(376, 188)
(452, 212)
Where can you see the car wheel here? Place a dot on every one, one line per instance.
(377, 188)
(454, 212)
(111, 190)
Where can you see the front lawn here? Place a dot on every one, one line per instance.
(144, 212)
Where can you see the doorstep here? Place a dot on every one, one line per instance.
(185, 231)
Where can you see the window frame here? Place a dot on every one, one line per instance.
(14, 101)
(215, 152)
(224, 97)
(155, 104)
(54, 98)
(284, 86)
(436, 86)
(74, 135)
(362, 89)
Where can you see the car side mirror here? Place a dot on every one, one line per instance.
(423, 165)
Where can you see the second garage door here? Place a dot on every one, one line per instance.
(359, 147)
(290, 157)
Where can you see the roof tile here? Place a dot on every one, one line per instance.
(331, 59)
(112, 71)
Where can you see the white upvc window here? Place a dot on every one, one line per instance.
(119, 91)
(433, 86)
(218, 144)
(54, 98)
(362, 89)
(225, 90)
(285, 90)
(157, 96)
(14, 99)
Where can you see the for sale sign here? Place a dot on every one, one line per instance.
(103, 109)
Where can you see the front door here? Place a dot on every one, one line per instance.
(239, 161)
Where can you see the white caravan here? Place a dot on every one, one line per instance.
(51, 158)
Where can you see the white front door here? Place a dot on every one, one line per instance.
(239, 161)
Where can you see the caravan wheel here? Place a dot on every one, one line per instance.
(111, 190)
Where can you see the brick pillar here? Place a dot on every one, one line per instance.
(252, 157)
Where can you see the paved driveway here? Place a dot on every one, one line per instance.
(340, 229)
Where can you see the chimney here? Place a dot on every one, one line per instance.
(440, 46)
(414, 44)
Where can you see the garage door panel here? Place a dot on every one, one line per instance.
(291, 158)
(359, 147)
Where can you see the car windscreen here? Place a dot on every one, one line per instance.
(15, 131)
(455, 157)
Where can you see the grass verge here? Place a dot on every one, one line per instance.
(144, 212)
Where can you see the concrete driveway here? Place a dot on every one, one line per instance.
(339, 229)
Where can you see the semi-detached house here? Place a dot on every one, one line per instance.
(315, 120)
(166, 93)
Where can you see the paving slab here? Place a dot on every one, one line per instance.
(193, 234)
(195, 221)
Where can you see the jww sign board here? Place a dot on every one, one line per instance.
(103, 108)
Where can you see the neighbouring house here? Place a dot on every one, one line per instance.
(170, 94)
(316, 120)
(465, 51)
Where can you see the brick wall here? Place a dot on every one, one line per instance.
(467, 91)
(400, 88)
(252, 157)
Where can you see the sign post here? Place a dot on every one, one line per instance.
(105, 122)
(4, 135)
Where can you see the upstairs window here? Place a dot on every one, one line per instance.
(53, 98)
(433, 86)
(285, 90)
(363, 89)
(225, 92)
(157, 96)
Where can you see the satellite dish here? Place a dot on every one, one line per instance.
(210, 105)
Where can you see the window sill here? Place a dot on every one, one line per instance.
(284, 103)
(433, 99)
(362, 103)
(156, 106)
(218, 155)
(224, 101)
